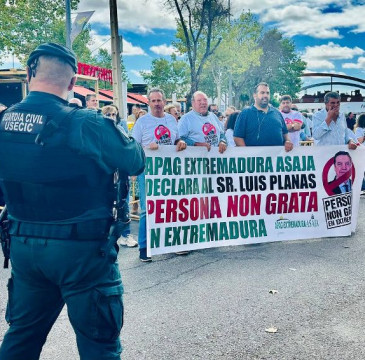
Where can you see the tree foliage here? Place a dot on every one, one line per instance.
(196, 21)
(27, 23)
(172, 76)
(280, 66)
(237, 52)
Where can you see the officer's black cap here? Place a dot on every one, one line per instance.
(56, 50)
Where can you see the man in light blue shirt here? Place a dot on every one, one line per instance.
(200, 127)
(329, 125)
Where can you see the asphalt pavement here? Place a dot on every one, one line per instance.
(218, 303)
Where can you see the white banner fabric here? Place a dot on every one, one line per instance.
(198, 199)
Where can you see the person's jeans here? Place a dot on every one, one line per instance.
(122, 226)
(142, 230)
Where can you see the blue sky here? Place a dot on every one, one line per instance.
(329, 34)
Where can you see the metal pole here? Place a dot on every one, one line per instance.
(230, 74)
(68, 35)
(116, 64)
(230, 102)
(68, 24)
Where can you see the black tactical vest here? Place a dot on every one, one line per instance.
(42, 178)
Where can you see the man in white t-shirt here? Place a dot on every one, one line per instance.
(199, 127)
(152, 130)
(293, 119)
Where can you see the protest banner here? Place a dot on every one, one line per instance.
(198, 199)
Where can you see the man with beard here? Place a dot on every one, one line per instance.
(200, 127)
(293, 119)
(153, 130)
(261, 124)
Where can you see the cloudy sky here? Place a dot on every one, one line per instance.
(329, 34)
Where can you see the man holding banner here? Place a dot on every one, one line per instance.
(152, 130)
(329, 124)
(261, 124)
(200, 127)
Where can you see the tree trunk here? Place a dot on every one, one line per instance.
(219, 94)
(193, 88)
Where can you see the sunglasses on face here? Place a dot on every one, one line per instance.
(111, 114)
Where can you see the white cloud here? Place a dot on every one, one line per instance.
(301, 20)
(104, 42)
(129, 49)
(321, 57)
(319, 64)
(9, 61)
(163, 49)
(144, 30)
(359, 65)
(337, 72)
(307, 18)
(138, 72)
(99, 42)
(255, 6)
(290, 16)
(139, 15)
(331, 51)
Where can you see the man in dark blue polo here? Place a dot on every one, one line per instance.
(261, 124)
(56, 171)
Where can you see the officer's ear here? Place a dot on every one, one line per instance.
(29, 74)
(72, 83)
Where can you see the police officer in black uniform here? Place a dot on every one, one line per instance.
(56, 171)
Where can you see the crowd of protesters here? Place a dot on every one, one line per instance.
(258, 125)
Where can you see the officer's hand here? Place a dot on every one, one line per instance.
(153, 146)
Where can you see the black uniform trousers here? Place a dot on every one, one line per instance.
(46, 274)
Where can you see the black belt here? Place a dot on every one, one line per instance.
(86, 230)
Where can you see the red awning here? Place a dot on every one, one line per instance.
(108, 93)
(130, 100)
(83, 92)
(141, 98)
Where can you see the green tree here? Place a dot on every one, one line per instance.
(171, 76)
(103, 59)
(197, 20)
(237, 52)
(79, 46)
(280, 66)
(27, 23)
